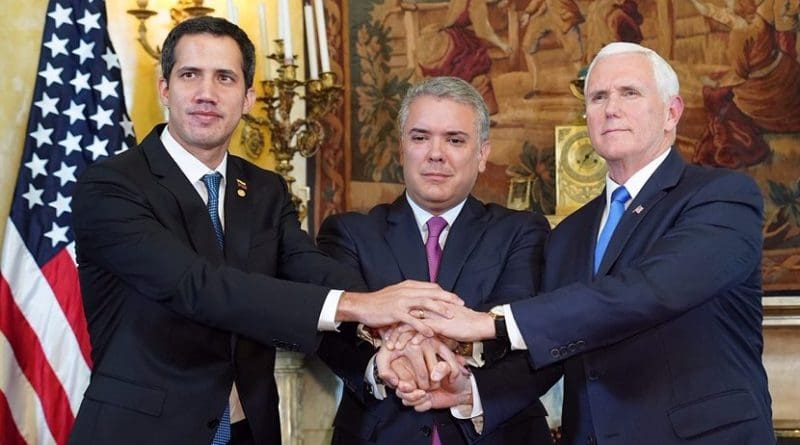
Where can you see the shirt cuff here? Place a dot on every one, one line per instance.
(514, 335)
(376, 389)
(469, 411)
(327, 318)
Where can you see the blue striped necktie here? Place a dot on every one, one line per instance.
(212, 181)
(617, 208)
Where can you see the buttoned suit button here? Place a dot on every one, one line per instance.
(426, 431)
(590, 440)
(554, 353)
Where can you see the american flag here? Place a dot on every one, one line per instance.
(77, 117)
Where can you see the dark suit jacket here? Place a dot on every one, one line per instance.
(666, 341)
(162, 300)
(492, 256)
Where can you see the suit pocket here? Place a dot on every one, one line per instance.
(712, 412)
(126, 394)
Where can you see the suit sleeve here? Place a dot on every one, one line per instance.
(345, 353)
(713, 245)
(511, 385)
(122, 244)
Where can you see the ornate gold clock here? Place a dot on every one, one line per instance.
(580, 171)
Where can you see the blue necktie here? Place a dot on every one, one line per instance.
(618, 199)
(212, 180)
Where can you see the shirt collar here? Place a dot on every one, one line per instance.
(636, 182)
(422, 216)
(192, 168)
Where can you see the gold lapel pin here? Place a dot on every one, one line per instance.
(241, 188)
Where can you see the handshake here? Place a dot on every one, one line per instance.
(419, 326)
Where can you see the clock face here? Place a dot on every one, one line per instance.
(581, 162)
(580, 171)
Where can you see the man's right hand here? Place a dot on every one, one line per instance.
(400, 303)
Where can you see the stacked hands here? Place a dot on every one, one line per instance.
(420, 325)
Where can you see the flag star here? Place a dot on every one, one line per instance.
(84, 51)
(127, 126)
(42, 135)
(37, 166)
(52, 75)
(107, 88)
(102, 117)
(71, 143)
(98, 148)
(61, 15)
(57, 234)
(61, 204)
(47, 104)
(80, 82)
(66, 174)
(111, 59)
(33, 196)
(57, 46)
(89, 21)
(75, 112)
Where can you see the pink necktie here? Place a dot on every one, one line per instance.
(432, 248)
(434, 252)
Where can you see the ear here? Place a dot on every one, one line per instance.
(249, 100)
(483, 155)
(163, 91)
(674, 112)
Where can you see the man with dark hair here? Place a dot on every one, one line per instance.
(193, 267)
(437, 231)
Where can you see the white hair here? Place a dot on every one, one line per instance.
(665, 77)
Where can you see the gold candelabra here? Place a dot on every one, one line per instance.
(182, 10)
(287, 137)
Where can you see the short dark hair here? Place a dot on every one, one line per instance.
(217, 27)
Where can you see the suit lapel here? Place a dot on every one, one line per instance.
(238, 202)
(404, 240)
(467, 230)
(196, 221)
(664, 178)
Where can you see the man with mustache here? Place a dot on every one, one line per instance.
(193, 267)
(652, 302)
(484, 253)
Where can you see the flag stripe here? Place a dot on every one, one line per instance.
(32, 361)
(62, 274)
(10, 433)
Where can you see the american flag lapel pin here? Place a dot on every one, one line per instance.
(638, 210)
(241, 188)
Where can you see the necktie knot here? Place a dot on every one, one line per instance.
(212, 181)
(435, 226)
(620, 195)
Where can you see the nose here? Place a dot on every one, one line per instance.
(206, 92)
(612, 105)
(435, 152)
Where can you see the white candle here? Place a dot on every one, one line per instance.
(322, 34)
(262, 28)
(233, 14)
(283, 6)
(311, 41)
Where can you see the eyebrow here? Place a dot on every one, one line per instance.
(448, 133)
